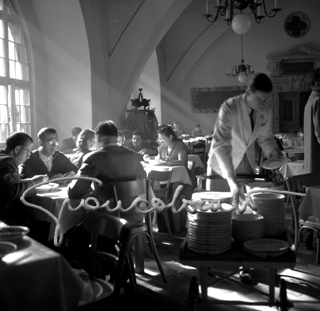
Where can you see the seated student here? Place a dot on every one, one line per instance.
(85, 142)
(121, 139)
(197, 131)
(12, 210)
(136, 144)
(108, 164)
(46, 159)
(172, 150)
(68, 144)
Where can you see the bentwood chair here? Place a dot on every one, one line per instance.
(299, 183)
(160, 184)
(116, 232)
(199, 148)
(140, 224)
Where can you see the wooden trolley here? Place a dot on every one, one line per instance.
(236, 257)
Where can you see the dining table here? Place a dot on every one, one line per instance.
(188, 141)
(310, 204)
(34, 277)
(180, 176)
(196, 159)
(52, 200)
(292, 168)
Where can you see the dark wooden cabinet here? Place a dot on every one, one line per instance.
(291, 111)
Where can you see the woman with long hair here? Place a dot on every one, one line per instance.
(85, 142)
(172, 150)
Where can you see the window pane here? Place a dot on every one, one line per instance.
(3, 114)
(2, 53)
(14, 33)
(4, 132)
(1, 29)
(23, 110)
(1, 5)
(12, 69)
(3, 95)
(2, 67)
(12, 51)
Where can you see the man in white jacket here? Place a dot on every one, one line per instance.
(243, 120)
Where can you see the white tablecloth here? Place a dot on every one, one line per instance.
(196, 159)
(36, 278)
(310, 204)
(179, 174)
(52, 201)
(292, 169)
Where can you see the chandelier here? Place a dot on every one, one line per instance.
(241, 23)
(241, 71)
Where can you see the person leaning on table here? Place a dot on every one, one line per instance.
(69, 144)
(46, 159)
(242, 120)
(12, 210)
(172, 150)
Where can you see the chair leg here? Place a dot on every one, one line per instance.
(156, 257)
(154, 221)
(132, 276)
(166, 219)
(318, 248)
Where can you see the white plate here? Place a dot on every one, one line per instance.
(274, 163)
(266, 245)
(6, 248)
(13, 233)
(265, 255)
(47, 187)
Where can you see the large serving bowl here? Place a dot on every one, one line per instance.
(247, 227)
(260, 185)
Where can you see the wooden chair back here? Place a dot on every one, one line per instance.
(199, 148)
(118, 232)
(160, 183)
(127, 192)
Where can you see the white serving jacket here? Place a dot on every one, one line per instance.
(233, 136)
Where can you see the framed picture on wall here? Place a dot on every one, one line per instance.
(209, 99)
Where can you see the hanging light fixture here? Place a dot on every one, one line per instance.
(241, 71)
(241, 23)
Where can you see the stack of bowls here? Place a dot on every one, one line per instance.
(271, 207)
(247, 227)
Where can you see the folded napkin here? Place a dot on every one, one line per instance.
(310, 204)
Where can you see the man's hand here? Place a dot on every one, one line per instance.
(38, 179)
(143, 151)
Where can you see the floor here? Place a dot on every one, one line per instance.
(303, 282)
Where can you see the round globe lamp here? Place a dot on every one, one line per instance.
(241, 24)
(242, 77)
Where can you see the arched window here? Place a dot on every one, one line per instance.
(15, 86)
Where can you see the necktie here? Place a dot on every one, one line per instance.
(252, 119)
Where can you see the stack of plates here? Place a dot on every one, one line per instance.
(209, 232)
(271, 207)
(266, 247)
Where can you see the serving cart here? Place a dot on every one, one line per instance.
(237, 257)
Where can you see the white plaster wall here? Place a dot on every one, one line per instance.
(67, 64)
